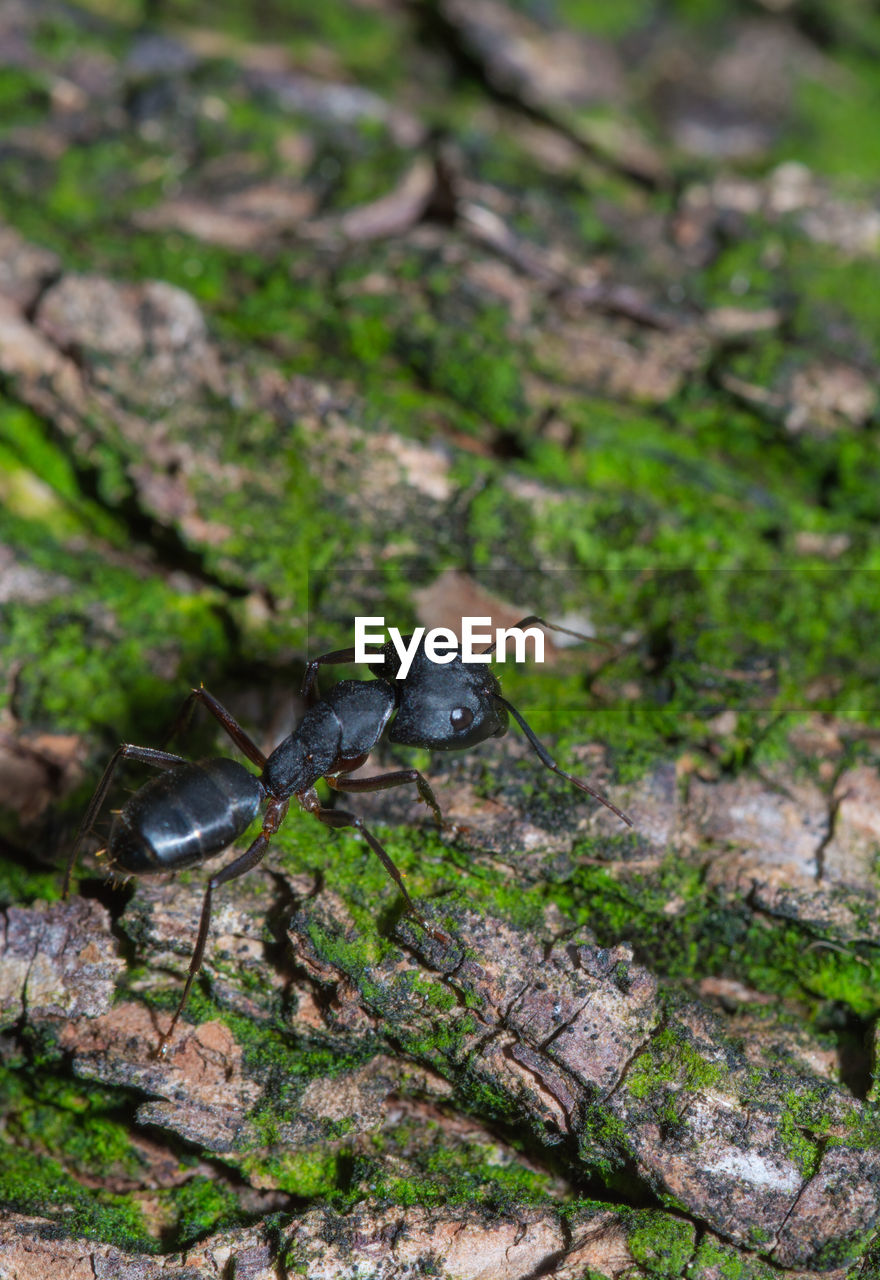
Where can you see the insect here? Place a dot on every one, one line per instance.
(194, 810)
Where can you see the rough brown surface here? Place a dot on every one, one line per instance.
(58, 962)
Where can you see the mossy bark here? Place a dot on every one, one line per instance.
(420, 310)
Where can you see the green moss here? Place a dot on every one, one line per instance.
(203, 1205)
(434, 993)
(829, 133)
(847, 978)
(484, 1099)
(300, 1173)
(596, 19)
(842, 1251)
(712, 934)
(832, 293)
(862, 1129)
(87, 675)
(470, 360)
(366, 165)
(24, 96)
(282, 1065)
(113, 168)
(37, 1184)
(661, 1244)
(59, 34)
(108, 641)
(868, 1264)
(603, 1143)
(671, 1059)
(86, 1122)
(707, 934)
(22, 885)
(444, 1045)
(353, 954)
(462, 1174)
(362, 43)
(715, 1259)
(38, 482)
(743, 275)
(56, 1132)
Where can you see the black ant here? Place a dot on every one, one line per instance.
(194, 811)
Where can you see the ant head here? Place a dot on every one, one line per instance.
(447, 706)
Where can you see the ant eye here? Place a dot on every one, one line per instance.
(461, 718)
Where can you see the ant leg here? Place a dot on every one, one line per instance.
(384, 781)
(246, 862)
(125, 751)
(309, 689)
(548, 760)
(340, 818)
(228, 721)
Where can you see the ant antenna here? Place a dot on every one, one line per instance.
(548, 760)
(534, 620)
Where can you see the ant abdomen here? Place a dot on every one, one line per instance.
(180, 818)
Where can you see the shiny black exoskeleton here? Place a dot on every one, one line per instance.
(193, 811)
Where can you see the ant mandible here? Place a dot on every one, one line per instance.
(193, 811)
